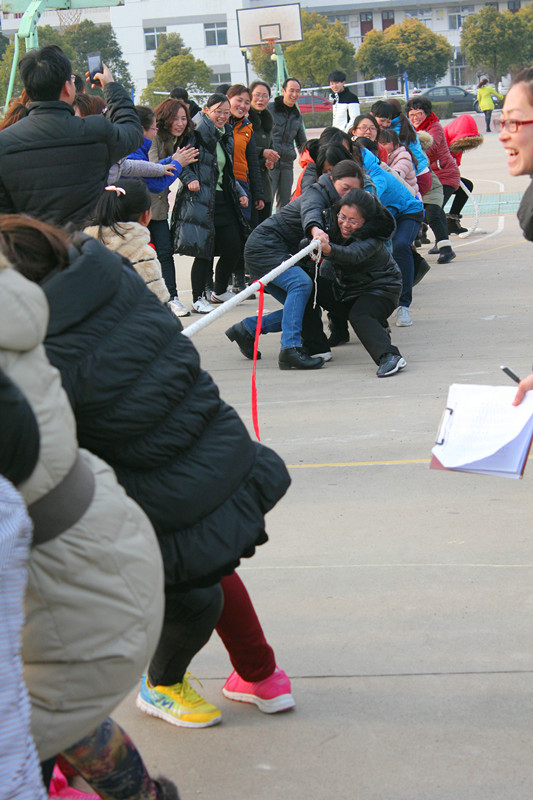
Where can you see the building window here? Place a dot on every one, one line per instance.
(367, 22)
(220, 77)
(454, 21)
(215, 33)
(513, 6)
(344, 19)
(387, 19)
(152, 37)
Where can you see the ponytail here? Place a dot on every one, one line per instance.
(124, 201)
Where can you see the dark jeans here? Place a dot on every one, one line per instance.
(436, 219)
(228, 245)
(367, 314)
(162, 241)
(190, 618)
(488, 115)
(461, 197)
(404, 236)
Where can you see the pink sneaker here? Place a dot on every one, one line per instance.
(269, 695)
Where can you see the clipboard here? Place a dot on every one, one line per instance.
(482, 432)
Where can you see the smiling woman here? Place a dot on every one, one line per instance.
(516, 136)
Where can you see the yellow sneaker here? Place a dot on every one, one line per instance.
(179, 704)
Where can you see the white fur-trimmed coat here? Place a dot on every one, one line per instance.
(134, 244)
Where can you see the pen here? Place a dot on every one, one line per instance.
(511, 374)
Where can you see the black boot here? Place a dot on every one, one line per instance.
(243, 339)
(446, 255)
(453, 222)
(297, 358)
(421, 267)
(434, 250)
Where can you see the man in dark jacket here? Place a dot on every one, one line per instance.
(288, 128)
(54, 165)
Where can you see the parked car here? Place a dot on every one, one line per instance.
(312, 102)
(460, 98)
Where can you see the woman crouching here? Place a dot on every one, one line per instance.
(360, 280)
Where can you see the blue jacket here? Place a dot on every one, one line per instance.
(391, 191)
(156, 185)
(414, 147)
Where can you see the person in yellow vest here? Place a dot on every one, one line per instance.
(484, 97)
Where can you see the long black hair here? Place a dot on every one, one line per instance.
(124, 201)
(331, 154)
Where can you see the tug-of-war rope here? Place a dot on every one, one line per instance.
(314, 249)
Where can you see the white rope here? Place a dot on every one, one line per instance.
(222, 309)
(471, 230)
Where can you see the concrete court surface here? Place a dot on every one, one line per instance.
(398, 599)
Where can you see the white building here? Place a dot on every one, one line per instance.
(208, 27)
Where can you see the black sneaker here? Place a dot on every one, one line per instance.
(243, 339)
(446, 255)
(389, 364)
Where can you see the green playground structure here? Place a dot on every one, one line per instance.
(32, 12)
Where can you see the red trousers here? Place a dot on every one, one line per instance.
(242, 634)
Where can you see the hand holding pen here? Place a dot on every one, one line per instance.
(523, 386)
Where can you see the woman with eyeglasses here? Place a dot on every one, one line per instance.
(206, 218)
(364, 283)
(262, 123)
(366, 125)
(442, 163)
(516, 136)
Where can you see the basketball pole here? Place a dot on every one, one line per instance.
(281, 67)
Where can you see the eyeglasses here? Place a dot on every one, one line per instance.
(511, 125)
(363, 130)
(264, 96)
(413, 114)
(350, 223)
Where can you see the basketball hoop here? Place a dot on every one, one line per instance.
(68, 18)
(268, 45)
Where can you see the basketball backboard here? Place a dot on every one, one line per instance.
(20, 6)
(270, 24)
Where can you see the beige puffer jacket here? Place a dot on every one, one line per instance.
(94, 601)
(133, 243)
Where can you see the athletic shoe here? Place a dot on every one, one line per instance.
(221, 298)
(403, 318)
(177, 307)
(327, 356)
(270, 695)
(201, 306)
(389, 364)
(179, 704)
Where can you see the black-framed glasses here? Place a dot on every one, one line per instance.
(511, 125)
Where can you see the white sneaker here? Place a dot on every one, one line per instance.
(327, 356)
(177, 307)
(221, 298)
(403, 318)
(201, 306)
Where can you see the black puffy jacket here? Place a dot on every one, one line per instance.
(193, 216)
(54, 165)
(274, 240)
(288, 128)
(363, 264)
(143, 404)
(262, 123)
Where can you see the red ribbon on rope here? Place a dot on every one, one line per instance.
(255, 418)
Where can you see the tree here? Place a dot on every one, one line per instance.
(324, 47)
(375, 57)
(90, 38)
(424, 55)
(170, 45)
(263, 64)
(187, 71)
(493, 41)
(4, 43)
(525, 17)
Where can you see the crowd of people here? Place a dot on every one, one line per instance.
(144, 518)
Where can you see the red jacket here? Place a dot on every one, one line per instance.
(441, 160)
